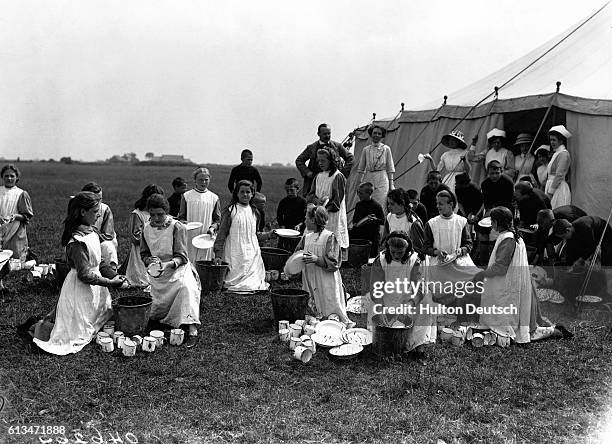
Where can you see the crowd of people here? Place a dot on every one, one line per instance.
(412, 234)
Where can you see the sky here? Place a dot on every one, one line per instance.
(206, 79)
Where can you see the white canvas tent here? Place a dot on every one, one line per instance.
(580, 58)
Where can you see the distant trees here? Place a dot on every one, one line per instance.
(66, 160)
(125, 158)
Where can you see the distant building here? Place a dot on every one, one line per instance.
(172, 158)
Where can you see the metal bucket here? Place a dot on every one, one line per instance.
(359, 252)
(274, 258)
(388, 342)
(132, 314)
(289, 304)
(212, 276)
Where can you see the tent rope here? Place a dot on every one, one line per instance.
(597, 254)
(423, 130)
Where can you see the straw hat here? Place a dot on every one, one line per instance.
(542, 148)
(458, 136)
(495, 132)
(561, 130)
(523, 138)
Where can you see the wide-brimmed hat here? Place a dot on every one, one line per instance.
(523, 138)
(458, 136)
(561, 130)
(496, 132)
(542, 148)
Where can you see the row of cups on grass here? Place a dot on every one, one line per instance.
(35, 271)
(275, 275)
(109, 338)
(476, 338)
(298, 337)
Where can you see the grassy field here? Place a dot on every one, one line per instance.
(240, 385)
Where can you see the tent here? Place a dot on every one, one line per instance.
(527, 99)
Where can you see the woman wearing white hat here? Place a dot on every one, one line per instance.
(542, 155)
(453, 162)
(495, 139)
(556, 187)
(524, 161)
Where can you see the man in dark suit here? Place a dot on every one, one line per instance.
(309, 155)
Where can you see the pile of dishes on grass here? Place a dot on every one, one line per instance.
(111, 340)
(305, 336)
(472, 335)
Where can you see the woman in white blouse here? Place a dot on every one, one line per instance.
(556, 186)
(524, 160)
(376, 165)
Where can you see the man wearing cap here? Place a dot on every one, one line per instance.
(310, 155)
(556, 186)
(545, 240)
(524, 161)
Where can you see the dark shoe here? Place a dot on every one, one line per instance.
(564, 331)
(192, 341)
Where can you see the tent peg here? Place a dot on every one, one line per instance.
(558, 86)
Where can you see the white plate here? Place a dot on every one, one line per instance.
(203, 241)
(346, 350)
(589, 299)
(359, 336)
(485, 223)
(295, 264)
(327, 341)
(286, 232)
(330, 328)
(154, 269)
(194, 225)
(356, 305)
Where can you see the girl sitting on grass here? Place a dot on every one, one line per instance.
(396, 262)
(176, 291)
(84, 304)
(321, 276)
(135, 270)
(237, 242)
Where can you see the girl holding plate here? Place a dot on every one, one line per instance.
(175, 288)
(201, 205)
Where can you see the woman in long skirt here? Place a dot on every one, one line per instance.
(84, 304)
(175, 286)
(376, 165)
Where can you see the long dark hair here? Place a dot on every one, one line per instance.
(401, 197)
(242, 183)
(503, 217)
(149, 190)
(85, 200)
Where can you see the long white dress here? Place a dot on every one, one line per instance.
(424, 330)
(337, 222)
(13, 235)
(324, 286)
(376, 162)
(176, 293)
(242, 252)
(82, 309)
(136, 272)
(556, 185)
(451, 166)
(512, 290)
(200, 208)
(523, 164)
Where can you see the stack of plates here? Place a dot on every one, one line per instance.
(357, 305)
(359, 336)
(329, 333)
